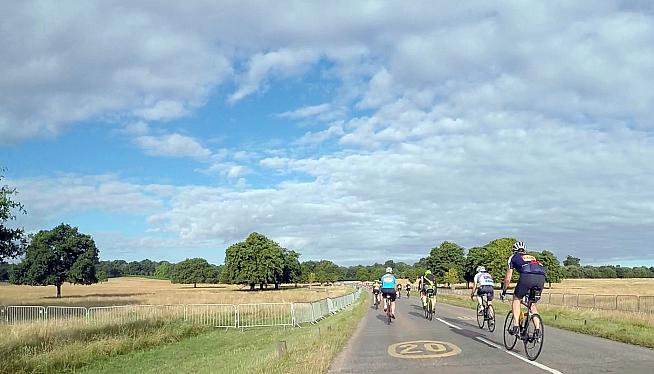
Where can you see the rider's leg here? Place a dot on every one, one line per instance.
(515, 307)
(393, 308)
(535, 311)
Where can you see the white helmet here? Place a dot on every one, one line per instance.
(389, 269)
(480, 269)
(518, 246)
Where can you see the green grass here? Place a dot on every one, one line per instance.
(40, 349)
(636, 329)
(249, 351)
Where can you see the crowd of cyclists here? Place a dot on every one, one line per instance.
(532, 276)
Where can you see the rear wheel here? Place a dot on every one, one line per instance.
(534, 337)
(491, 318)
(509, 340)
(431, 308)
(480, 316)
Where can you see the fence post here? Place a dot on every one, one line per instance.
(185, 313)
(293, 314)
(616, 302)
(577, 303)
(638, 305)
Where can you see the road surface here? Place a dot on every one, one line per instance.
(453, 343)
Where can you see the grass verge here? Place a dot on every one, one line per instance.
(634, 329)
(38, 348)
(250, 351)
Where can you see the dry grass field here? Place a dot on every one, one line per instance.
(633, 286)
(132, 291)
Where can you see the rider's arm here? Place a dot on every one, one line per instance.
(507, 280)
(474, 288)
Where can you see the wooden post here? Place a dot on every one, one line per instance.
(281, 348)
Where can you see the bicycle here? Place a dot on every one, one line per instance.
(485, 314)
(376, 300)
(532, 340)
(408, 292)
(429, 309)
(387, 305)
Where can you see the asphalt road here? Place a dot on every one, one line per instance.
(453, 343)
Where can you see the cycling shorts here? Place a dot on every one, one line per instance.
(375, 291)
(390, 292)
(527, 281)
(488, 290)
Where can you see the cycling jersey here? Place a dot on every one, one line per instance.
(428, 281)
(525, 264)
(388, 281)
(484, 279)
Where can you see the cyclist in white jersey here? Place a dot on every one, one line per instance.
(483, 284)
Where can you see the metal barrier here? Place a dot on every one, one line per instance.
(61, 314)
(269, 314)
(217, 315)
(627, 303)
(646, 304)
(16, 314)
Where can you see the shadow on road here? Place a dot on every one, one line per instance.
(416, 314)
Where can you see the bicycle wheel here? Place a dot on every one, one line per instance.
(490, 314)
(509, 340)
(480, 316)
(431, 309)
(534, 341)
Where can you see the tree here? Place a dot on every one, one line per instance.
(5, 271)
(57, 256)
(12, 240)
(257, 260)
(553, 270)
(191, 270)
(498, 252)
(571, 261)
(444, 257)
(476, 257)
(451, 276)
(362, 274)
(163, 270)
(292, 270)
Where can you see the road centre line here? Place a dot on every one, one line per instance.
(534, 363)
(490, 343)
(449, 324)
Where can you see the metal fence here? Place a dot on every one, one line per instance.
(217, 315)
(624, 303)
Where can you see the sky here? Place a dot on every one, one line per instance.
(349, 131)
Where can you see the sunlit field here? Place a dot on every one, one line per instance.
(633, 286)
(132, 291)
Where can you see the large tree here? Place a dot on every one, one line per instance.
(56, 256)
(571, 261)
(12, 240)
(477, 256)
(292, 270)
(257, 260)
(446, 256)
(191, 271)
(553, 270)
(498, 253)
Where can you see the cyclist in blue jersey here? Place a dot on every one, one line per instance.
(532, 274)
(388, 282)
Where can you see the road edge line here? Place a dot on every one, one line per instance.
(534, 363)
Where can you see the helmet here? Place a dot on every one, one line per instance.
(518, 246)
(427, 272)
(389, 269)
(480, 269)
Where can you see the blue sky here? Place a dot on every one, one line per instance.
(354, 132)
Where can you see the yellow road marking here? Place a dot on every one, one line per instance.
(423, 349)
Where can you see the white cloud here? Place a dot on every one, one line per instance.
(171, 145)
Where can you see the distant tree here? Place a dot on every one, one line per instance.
(214, 274)
(257, 260)
(163, 270)
(476, 257)
(191, 271)
(571, 261)
(444, 257)
(452, 276)
(498, 253)
(57, 256)
(12, 240)
(573, 272)
(5, 271)
(362, 274)
(553, 270)
(292, 270)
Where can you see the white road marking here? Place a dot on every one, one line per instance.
(449, 324)
(534, 363)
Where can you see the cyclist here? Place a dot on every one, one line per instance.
(388, 281)
(483, 284)
(428, 283)
(399, 290)
(375, 291)
(408, 289)
(532, 274)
